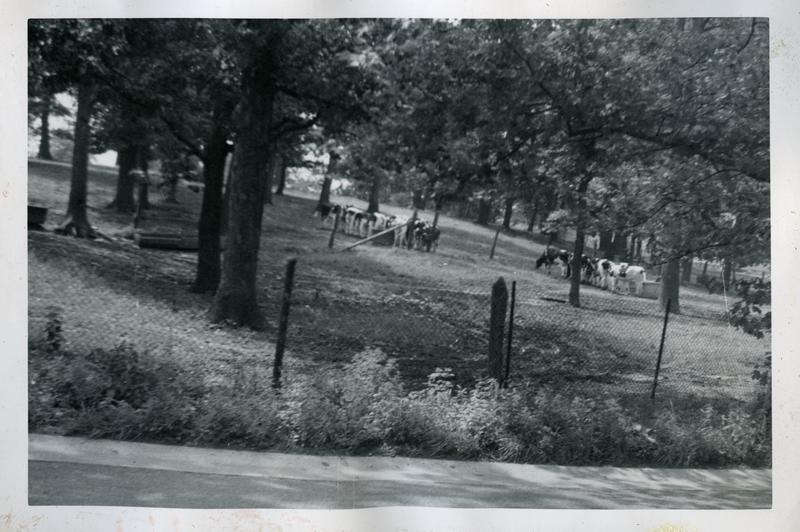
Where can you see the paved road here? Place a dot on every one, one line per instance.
(75, 471)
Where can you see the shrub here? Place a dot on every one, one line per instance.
(342, 407)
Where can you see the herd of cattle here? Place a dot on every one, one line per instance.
(416, 233)
(602, 273)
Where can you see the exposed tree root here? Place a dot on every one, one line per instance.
(77, 228)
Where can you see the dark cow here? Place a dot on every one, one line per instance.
(427, 236)
(588, 269)
(328, 211)
(554, 256)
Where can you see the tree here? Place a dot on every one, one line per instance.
(68, 53)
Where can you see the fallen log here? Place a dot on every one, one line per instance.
(170, 241)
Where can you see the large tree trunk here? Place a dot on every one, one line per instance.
(76, 220)
(172, 190)
(637, 250)
(210, 225)
(235, 299)
(44, 139)
(620, 246)
(123, 199)
(143, 156)
(484, 212)
(670, 285)
(417, 201)
(577, 252)
(281, 177)
(325, 193)
(226, 198)
(606, 247)
(532, 219)
(269, 176)
(509, 210)
(374, 193)
(686, 271)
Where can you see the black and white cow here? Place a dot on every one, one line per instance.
(554, 256)
(604, 270)
(426, 236)
(625, 275)
(355, 221)
(588, 271)
(400, 231)
(328, 211)
(377, 222)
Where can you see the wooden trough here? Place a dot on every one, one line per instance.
(384, 240)
(651, 289)
(170, 241)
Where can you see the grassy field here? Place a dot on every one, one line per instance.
(424, 310)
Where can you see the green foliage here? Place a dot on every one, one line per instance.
(341, 408)
(747, 314)
(362, 407)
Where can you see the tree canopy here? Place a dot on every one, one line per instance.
(633, 127)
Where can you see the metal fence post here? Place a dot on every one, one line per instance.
(497, 320)
(494, 243)
(660, 349)
(510, 332)
(333, 231)
(283, 321)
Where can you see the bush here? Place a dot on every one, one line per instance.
(362, 407)
(343, 408)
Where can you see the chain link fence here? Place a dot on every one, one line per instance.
(608, 346)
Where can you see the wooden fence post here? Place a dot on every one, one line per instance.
(333, 231)
(283, 322)
(497, 321)
(660, 349)
(510, 332)
(494, 243)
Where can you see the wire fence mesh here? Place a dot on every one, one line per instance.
(608, 346)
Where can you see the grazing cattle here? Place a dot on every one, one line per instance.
(587, 269)
(328, 211)
(627, 275)
(426, 236)
(554, 256)
(401, 231)
(377, 222)
(354, 221)
(605, 273)
(614, 276)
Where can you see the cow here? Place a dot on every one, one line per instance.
(400, 231)
(377, 222)
(328, 212)
(426, 236)
(613, 275)
(588, 269)
(354, 219)
(604, 269)
(627, 274)
(554, 256)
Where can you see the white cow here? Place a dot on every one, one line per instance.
(627, 275)
(354, 220)
(400, 232)
(605, 273)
